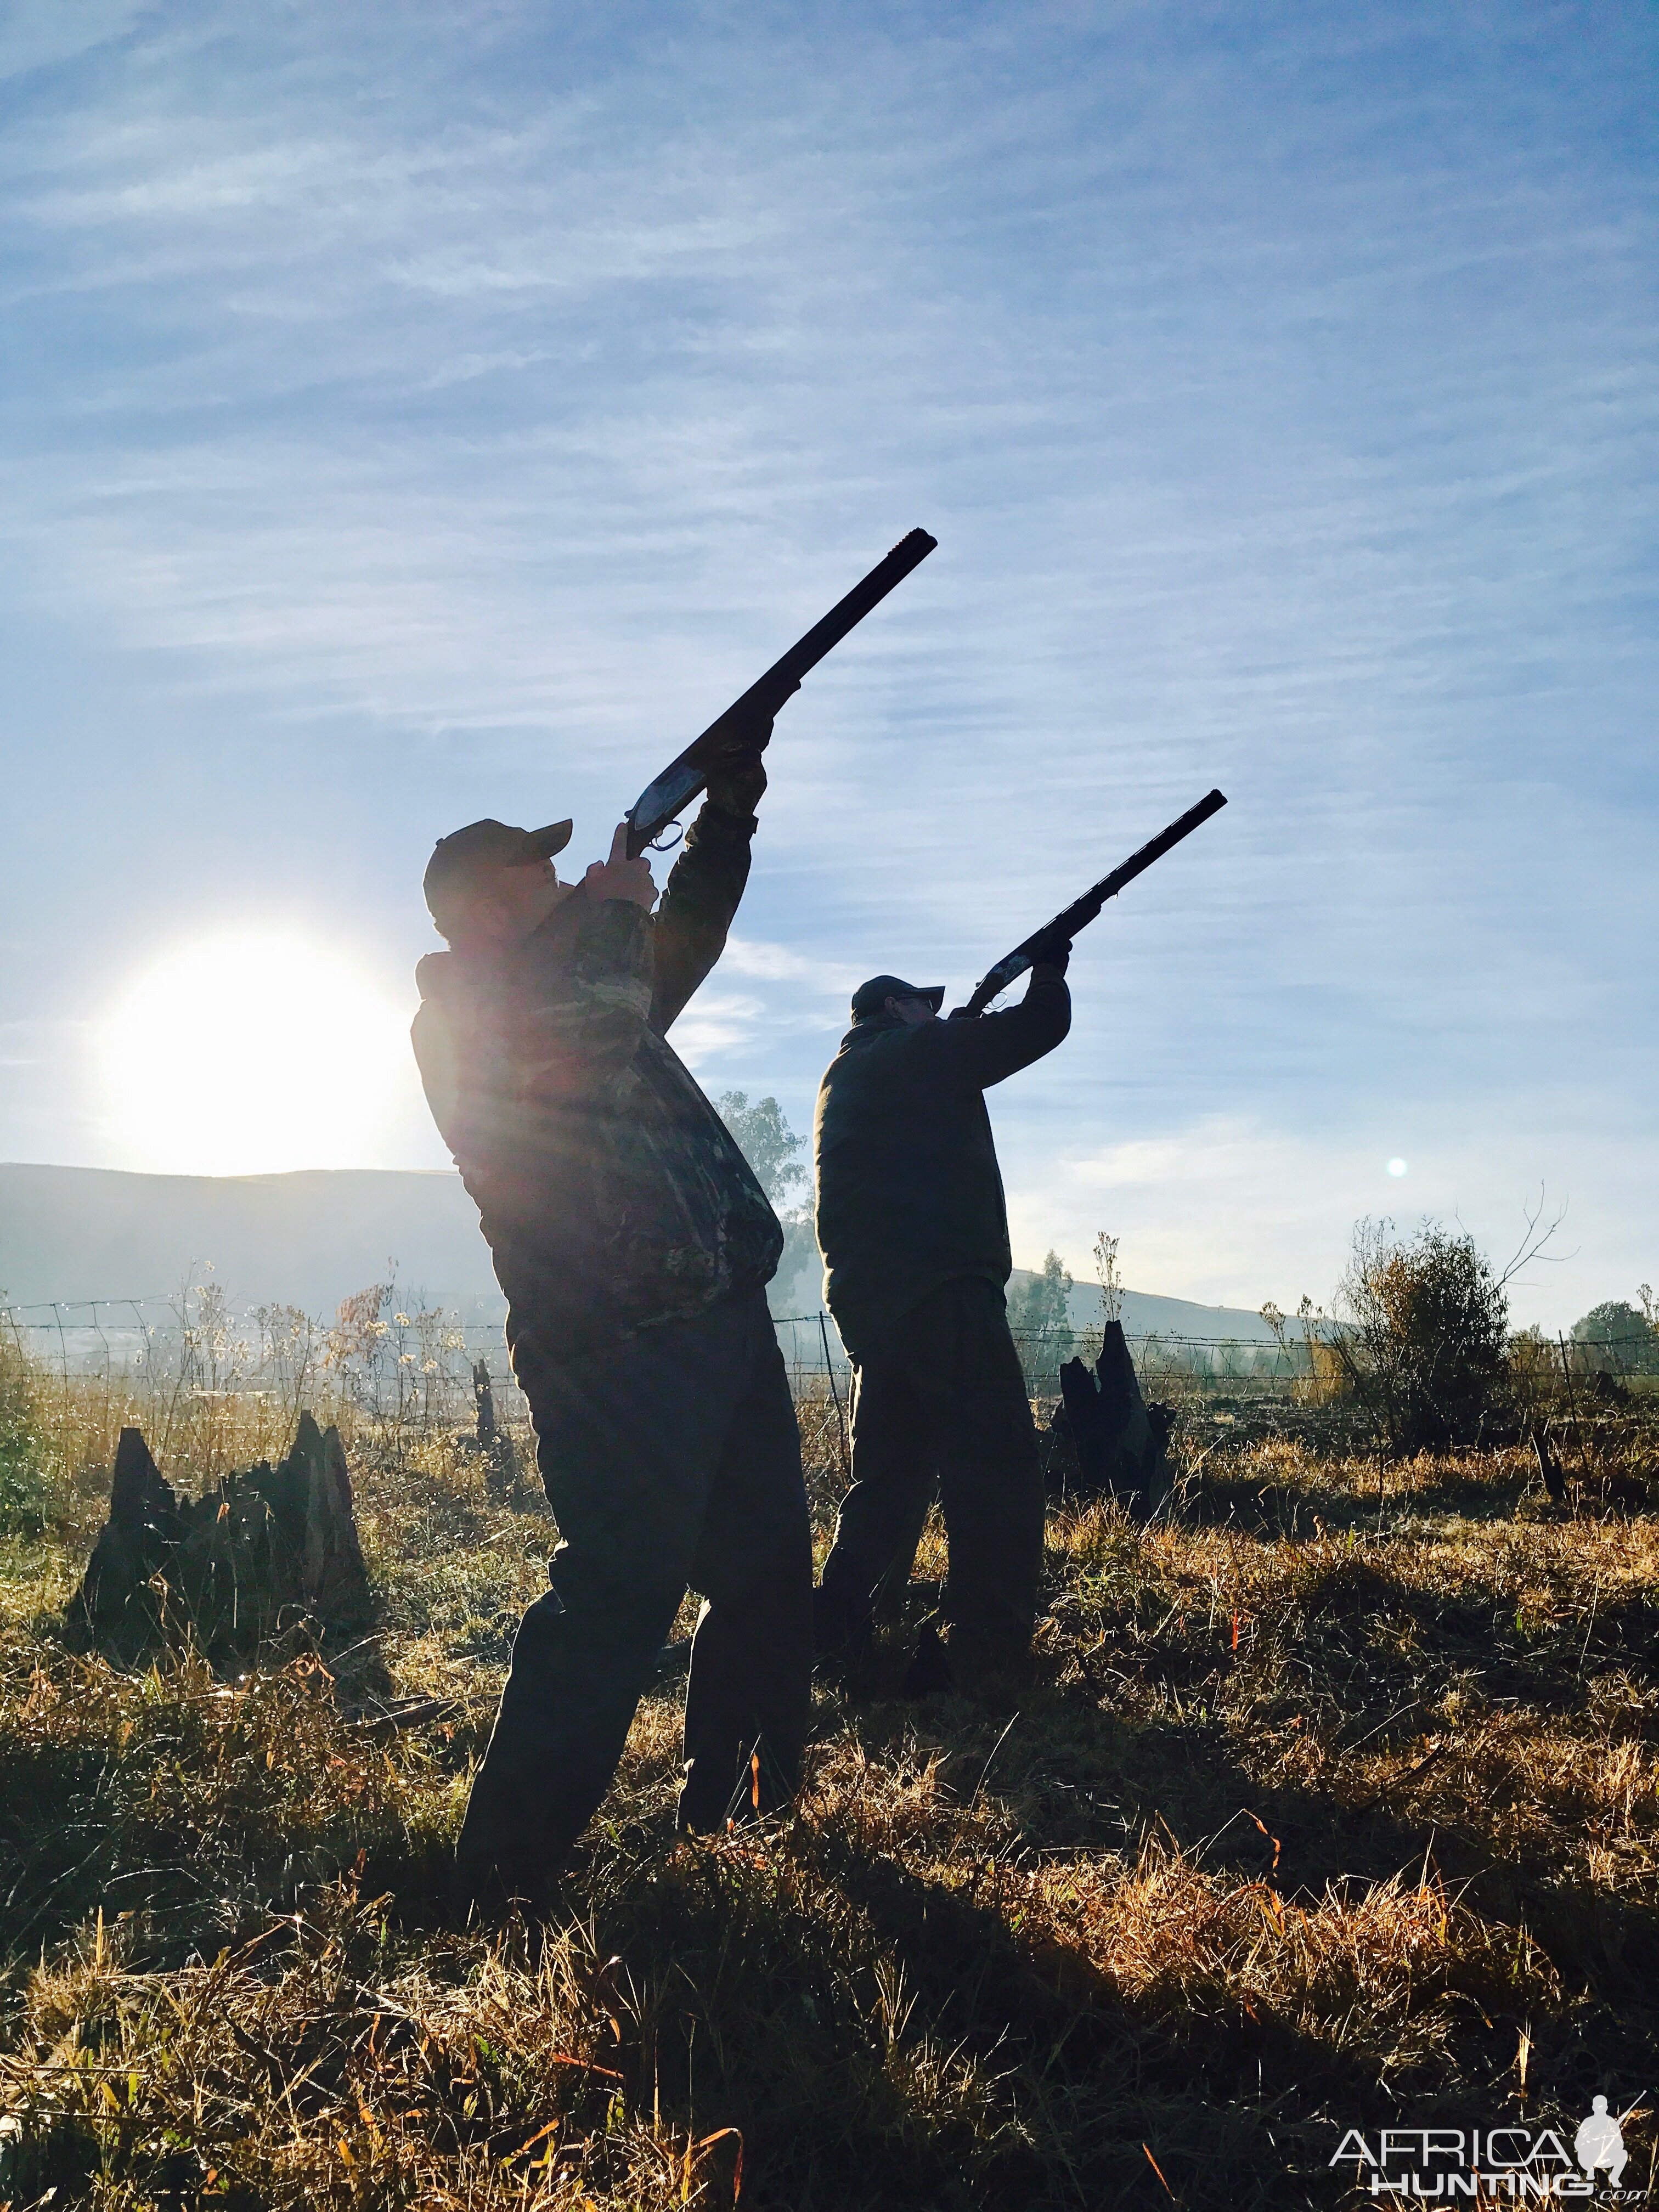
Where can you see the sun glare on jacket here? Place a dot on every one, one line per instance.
(252, 1053)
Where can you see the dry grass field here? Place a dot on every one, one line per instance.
(1334, 1804)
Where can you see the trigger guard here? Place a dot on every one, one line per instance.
(664, 844)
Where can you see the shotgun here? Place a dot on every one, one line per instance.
(662, 802)
(1058, 933)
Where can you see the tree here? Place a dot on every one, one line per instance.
(1426, 1323)
(1040, 1311)
(1618, 1339)
(766, 1141)
(769, 1144)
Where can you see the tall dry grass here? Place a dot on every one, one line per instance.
(1335, 1800)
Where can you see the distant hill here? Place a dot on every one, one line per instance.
(1146, 1314)
(310, 1239)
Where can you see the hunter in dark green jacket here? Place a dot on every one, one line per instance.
(909, 1194)
(914, 1230)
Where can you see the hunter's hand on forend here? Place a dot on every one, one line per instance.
(619, 877)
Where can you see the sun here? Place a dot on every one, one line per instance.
(253, 1052)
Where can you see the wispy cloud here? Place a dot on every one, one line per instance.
(39, 35)
(718, 1023)
(1285, 405)
(781, 964)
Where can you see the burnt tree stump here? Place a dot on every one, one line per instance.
(260, 1553)
(1118, 1441)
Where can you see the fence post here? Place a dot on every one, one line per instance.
(829, 1371)
(1572, 1404)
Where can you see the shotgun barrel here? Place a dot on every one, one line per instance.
(662, 801)
(1082, 911)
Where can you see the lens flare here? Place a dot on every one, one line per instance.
(252, 1053)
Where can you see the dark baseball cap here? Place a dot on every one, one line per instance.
(460, 859)
(871, 997)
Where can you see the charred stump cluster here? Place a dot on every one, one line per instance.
(1104, 1439)
(260, 1554)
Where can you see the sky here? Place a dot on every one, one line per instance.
(409, 415)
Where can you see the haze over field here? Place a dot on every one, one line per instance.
(310, 1239)
(409, 415)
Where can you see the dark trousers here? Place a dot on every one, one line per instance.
(670, 1459)
(943, 1395)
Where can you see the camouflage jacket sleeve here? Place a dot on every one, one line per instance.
(576, 1033)
(697, 909)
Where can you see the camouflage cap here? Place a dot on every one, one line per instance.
(460, 859)
(871, 997)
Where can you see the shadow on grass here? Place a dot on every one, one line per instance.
(1075, 1778)
(883, 2039)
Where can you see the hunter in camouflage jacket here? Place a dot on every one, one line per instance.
(612, 1195)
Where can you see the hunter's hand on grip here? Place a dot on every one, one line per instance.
(621, 877)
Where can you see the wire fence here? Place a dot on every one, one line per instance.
(208, 1346)
(201, 1369)
(389, 1353)
(91, 1335)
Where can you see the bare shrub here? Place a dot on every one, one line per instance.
(1321, 1376)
